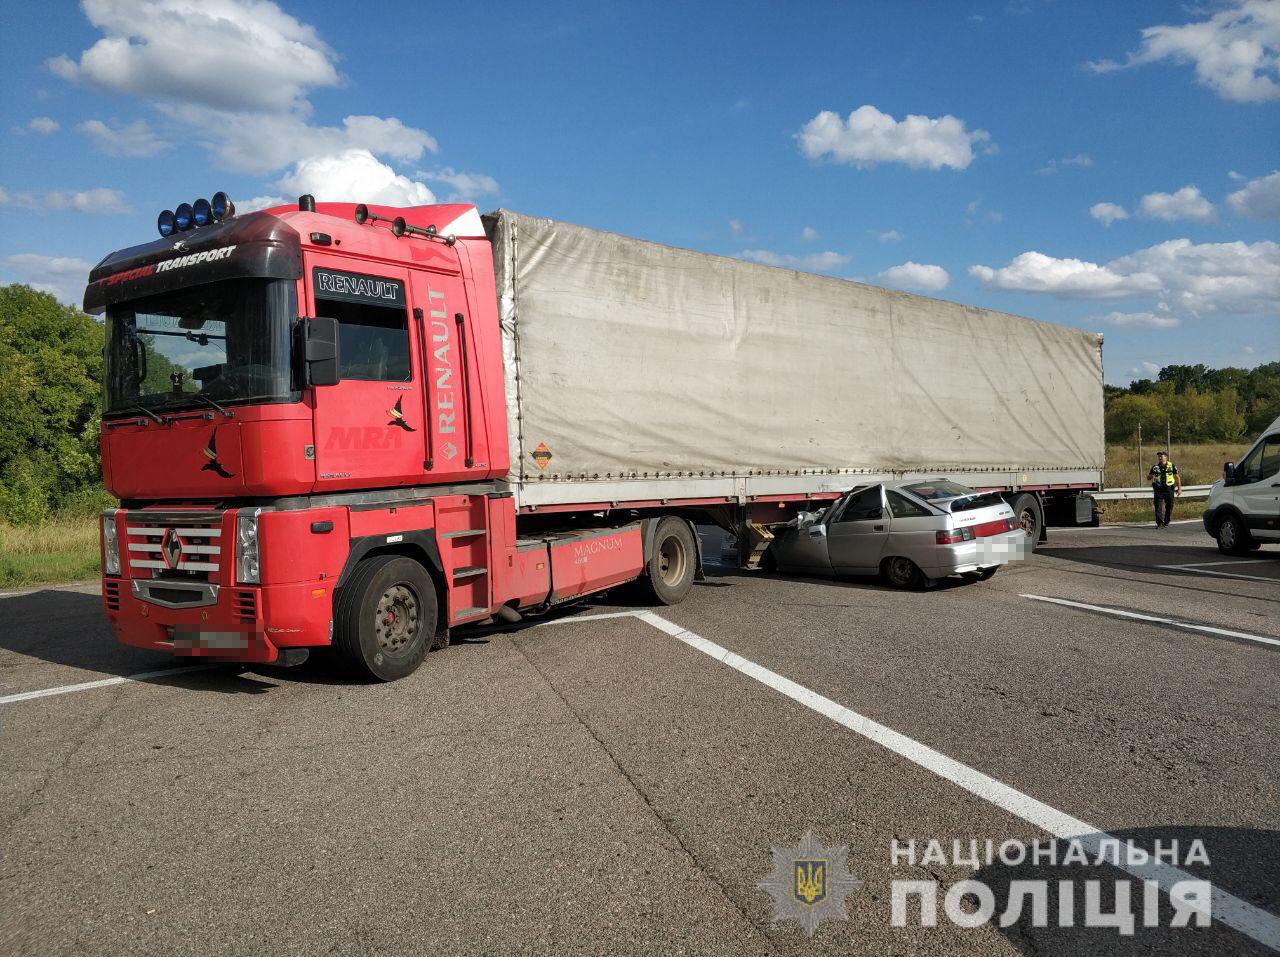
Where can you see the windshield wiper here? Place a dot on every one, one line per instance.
(147, 412)
(217, 405)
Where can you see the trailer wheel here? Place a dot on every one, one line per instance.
(1027, 510)
(673, 562)
(385, 617)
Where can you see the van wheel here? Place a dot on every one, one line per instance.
(1027, 510)
(385, 619)
(1233, 537)
(904, 573)
(673, 562)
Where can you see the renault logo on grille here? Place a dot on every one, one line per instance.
(171, 546)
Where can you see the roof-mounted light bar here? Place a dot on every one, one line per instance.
(194, 215)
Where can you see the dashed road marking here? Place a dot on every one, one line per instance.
(1209, 571)
(1252, 921)
(1138, 616)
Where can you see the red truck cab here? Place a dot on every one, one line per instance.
(306, 427)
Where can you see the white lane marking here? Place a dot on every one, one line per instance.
(1234, 561)
(1252, 921)
(103, 683)
(1190, 626)
(599, 617)
(1209, 571)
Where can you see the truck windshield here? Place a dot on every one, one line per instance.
(226, 341)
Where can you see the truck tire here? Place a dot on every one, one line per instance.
(1030, 515)
(384, 621)
(672, 563)
(1233, 538)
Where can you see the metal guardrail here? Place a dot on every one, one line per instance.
(1120, 494)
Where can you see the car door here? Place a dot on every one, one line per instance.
(1257, 489)
(858, 531)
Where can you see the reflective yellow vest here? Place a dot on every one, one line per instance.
(1164, 474)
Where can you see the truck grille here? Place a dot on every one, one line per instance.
(189, 543)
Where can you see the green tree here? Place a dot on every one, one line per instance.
(50, 401)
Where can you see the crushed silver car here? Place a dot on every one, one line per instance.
(910, 532)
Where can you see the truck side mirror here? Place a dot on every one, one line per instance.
(321, 350)
(1229, 473)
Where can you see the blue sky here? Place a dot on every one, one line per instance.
(729, 128)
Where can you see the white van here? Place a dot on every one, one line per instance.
(1244, 506)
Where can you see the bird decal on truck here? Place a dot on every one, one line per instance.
(211, 453)
(397, 416)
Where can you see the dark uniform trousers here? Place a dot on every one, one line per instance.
(1164, 504)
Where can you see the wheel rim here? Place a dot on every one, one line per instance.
(673, 559)
(900, 570)
(397, 619)
(1027, 519)
(1228, 533)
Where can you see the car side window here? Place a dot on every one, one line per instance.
(1250, 468)
(902, 507)
(862, 507)
(1271, 457)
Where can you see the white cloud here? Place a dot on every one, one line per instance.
(43, 125)
(1186, 203)
(1141, 320)
(101, 201)
(63, 276)
(1068, 278)
(869, 137)
(135, 139)
(809, 234)
(1083, 160)
(737, 227)
(1232, 174)
(259, 202)
(225, 54)
(464, 187)
(912, 275)
(1236, 52)
(976, 212)
(1210, 278)
(892, 236)
(354, 176)
(1206, 279)
(1151, 368)
(1260, 198)
(812, 262)
(1108, 213)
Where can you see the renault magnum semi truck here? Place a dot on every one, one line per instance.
(362, 427)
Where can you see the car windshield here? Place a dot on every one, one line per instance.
(938, 490)
(223, 342)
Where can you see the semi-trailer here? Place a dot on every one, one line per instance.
(361, 427)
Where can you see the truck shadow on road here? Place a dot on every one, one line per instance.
(1244, 862)
(1148, 560)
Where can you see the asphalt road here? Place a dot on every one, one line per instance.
(617, 785)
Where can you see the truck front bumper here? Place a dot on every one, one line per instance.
(230, 623)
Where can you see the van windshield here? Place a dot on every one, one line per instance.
(227, 341)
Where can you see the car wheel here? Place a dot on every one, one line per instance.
(1027, 510)
(904, 573)
(1233, 537)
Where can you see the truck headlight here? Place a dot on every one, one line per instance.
(110, 543)
(247, 568)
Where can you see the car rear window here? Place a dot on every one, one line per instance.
(939, 489)
(979, 500)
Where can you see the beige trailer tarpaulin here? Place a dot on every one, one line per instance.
(632, 360)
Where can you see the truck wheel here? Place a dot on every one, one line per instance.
(1233, 537)
(385, 617)
(673, 563)
(1027, 510)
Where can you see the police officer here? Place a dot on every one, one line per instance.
(1165, 484)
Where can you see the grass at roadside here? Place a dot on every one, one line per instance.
(1198, 464)
(61, 549)
(1143, 510)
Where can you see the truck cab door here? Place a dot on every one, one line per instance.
(368, 427)
(858, 531)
